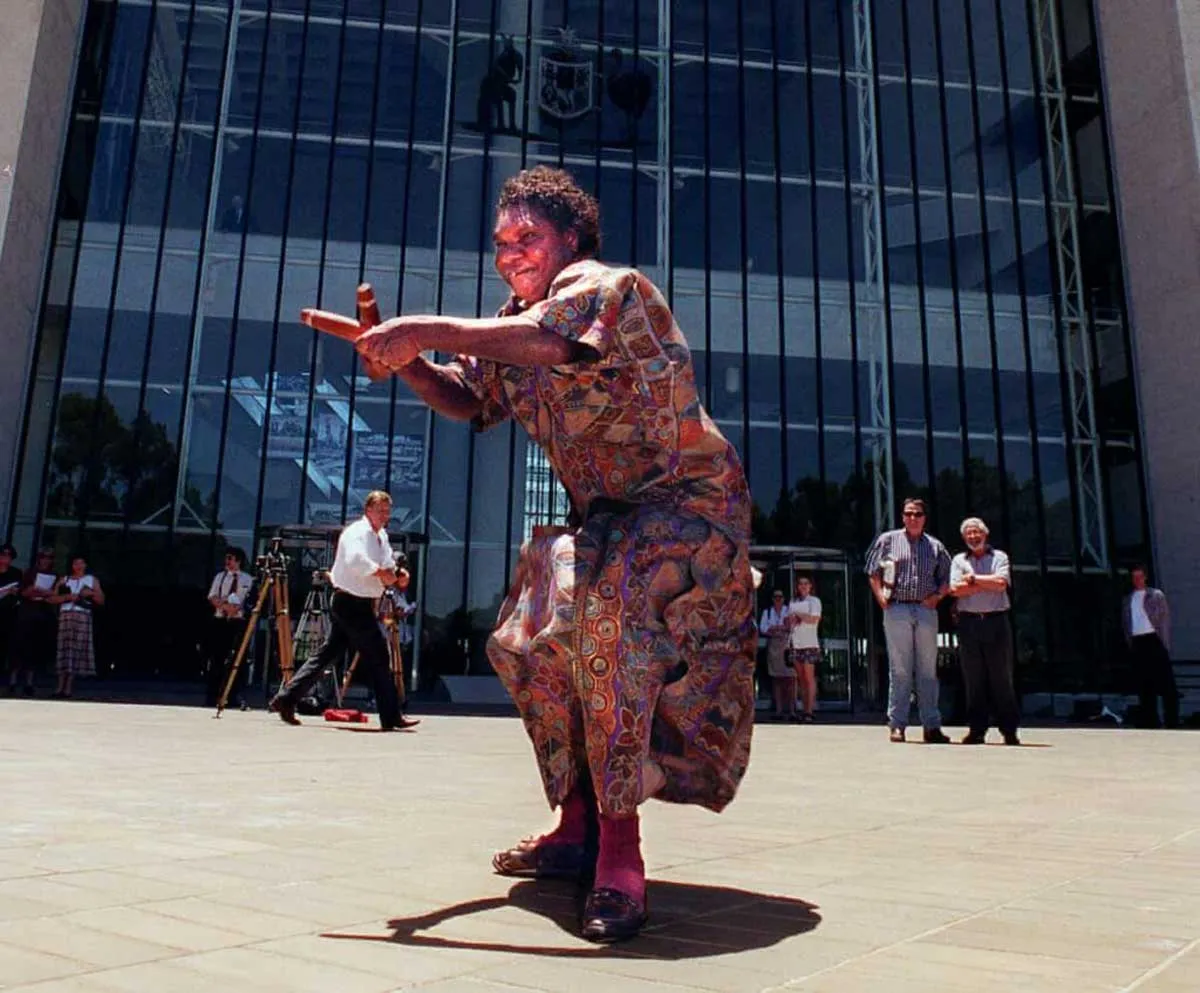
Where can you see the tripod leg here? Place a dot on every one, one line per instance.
(283, 630)
(346, 679)
(397, 663)
(240, 657)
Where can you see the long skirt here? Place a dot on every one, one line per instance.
(777, 663)
(628, 639)
(75, 654)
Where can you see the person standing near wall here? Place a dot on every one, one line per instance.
(1146, 623)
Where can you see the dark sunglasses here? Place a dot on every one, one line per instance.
(914, 513)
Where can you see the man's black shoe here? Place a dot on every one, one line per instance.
(285, 710)
(974, 738)
(403, 724)
(1012, 739)
(935, 736)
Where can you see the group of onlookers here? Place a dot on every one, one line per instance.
(793, 651)
(46, 620)
(910, 572)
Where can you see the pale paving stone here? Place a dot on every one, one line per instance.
(171, 977)
(1179, 975)
(396, 963)
(94, 948)
(145, 925)
(15, 908)
(23, 965)
(69, 984)
(124, 888)
(252, 924)
(575, 975)
(53, 893)
(469, 984)
(258, 857)
(230, 966)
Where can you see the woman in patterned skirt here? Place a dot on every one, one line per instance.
(627, 637)
(77, 593)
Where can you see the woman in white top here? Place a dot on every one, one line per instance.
(76, 594)
(804, 616)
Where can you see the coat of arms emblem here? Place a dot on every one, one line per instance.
(566, 80)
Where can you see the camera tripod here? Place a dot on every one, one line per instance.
(272, 581)
(391, 618)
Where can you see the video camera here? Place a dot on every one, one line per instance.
(274, 559)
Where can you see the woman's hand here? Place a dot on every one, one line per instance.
(392, 344)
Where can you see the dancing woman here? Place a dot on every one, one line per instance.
(627, 637)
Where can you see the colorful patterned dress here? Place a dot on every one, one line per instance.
(629, 635)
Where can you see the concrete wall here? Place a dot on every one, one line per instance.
(1151, 58)
(38, 44)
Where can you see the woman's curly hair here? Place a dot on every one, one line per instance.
(555, 195)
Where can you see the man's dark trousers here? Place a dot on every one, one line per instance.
(1156, 678)
(354, 626)
(224, 637)
(985, 653)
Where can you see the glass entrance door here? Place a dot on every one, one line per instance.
(829, 569)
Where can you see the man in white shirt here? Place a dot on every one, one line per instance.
(363, 566)
(227, 596)
(1146, 623)
(979, 581)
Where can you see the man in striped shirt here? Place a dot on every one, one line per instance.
(909, 572)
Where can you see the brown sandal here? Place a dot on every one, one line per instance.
(542, 859)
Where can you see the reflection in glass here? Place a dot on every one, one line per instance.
(855, 284)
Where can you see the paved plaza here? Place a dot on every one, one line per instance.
(156, 849)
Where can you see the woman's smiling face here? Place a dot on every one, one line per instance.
(531, 251)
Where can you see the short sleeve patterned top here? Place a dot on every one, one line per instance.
(628, 426)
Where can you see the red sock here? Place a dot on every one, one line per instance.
(620, 865)
(572, 821)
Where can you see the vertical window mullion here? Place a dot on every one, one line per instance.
(239, 280)
(988, 286)
(780, 279)
(283, 263)
(351, 442)
(314, 336)
(919, 256)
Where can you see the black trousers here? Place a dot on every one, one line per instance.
(224, 635)
(985, 653)
(353, 625)
(34, 641)
(1156, 678)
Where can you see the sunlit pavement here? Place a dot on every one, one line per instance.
(154, 848)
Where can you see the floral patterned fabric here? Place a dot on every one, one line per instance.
(629, 636)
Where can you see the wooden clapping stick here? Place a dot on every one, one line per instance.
(348, 329)
(345, 328)
(368, 306)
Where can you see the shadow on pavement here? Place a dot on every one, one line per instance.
(686, 921)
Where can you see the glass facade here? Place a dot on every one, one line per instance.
(886, 228)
